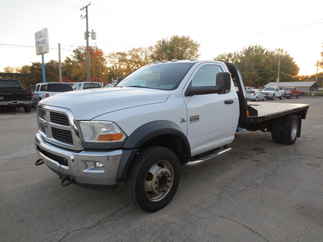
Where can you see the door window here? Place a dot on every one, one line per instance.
(43, 88)
(206, 76)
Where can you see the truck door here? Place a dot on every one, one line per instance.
(212, 118)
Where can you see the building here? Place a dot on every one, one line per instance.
(306, 87)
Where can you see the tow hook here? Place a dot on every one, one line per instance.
(65, 181)
(39, 162)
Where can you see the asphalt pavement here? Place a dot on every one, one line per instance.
(260, 191)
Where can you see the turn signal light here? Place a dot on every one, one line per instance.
(110, 137)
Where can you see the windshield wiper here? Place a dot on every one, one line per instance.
(137, 86)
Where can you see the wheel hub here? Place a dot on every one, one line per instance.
(159, 181)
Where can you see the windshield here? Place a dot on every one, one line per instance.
(91, 85)
(56, 87)
(165, 76)
(9, 83)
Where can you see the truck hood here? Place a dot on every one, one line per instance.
(88, 104)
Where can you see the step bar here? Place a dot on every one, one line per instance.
(209, 156)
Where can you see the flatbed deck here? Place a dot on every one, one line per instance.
(270, 110)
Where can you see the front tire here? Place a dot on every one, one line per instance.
(154, 178)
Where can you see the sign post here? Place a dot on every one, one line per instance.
(43, 68)
(42, 47)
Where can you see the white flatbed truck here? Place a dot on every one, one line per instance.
(158, 119)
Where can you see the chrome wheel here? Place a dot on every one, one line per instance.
(159, 180)
(294, 130)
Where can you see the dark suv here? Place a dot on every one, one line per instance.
(12, 94)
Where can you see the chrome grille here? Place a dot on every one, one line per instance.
(42, 113)
(56, 126)
(59, 118)
(62, 135)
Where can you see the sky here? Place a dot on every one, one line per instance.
(218, 26)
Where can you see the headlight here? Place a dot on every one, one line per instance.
(101, 131)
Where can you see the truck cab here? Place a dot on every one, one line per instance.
(158, 119)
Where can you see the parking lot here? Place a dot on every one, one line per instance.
(260, 191)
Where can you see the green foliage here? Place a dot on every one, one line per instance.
(34, 71)
(121, 64)
(74, 67)
(259, 65)
(315, 77)
(176, 48)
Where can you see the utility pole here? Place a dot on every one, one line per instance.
(278, 69)
(87, 35)
(317, 70)
(59, 63)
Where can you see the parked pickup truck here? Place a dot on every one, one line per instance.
(12, 94)
(158, 119)
(272, 93)
(47, 89)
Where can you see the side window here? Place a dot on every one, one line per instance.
(43, 88)
(206, 76)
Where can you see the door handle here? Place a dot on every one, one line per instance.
(229, 101)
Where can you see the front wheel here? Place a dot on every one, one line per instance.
(154, 178)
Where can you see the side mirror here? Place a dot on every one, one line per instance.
(223, 82)
(222, 85)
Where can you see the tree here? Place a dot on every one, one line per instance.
(10, 69)
(121, 64)
(74, 68)
(259, 65)
(34, 71)
(175, 48)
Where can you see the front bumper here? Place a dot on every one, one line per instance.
(77, 165)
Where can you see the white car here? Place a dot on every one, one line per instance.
(47, 89)
(282, 92)
(255, 95)
(86, 85)
(272, 93)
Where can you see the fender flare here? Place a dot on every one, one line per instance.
(142, 135)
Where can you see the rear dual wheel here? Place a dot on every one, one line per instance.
(285, 131)
(154, 178)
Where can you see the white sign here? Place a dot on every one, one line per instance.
(41, 41)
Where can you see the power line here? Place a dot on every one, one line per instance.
(17, 45)
(66, 48)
